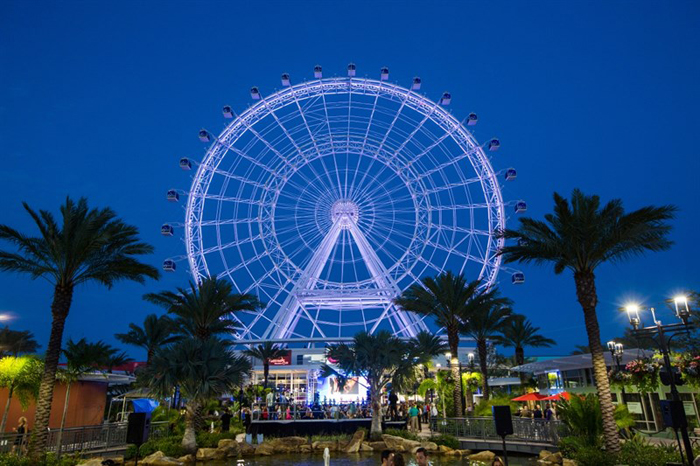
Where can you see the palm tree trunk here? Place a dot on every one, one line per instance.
(189, 439)
(7, 409)
(266, 372)
(453, 340)
(63, 418)
(587, 297)
(519, 361)
(376, 426)
(481, 348)
(62, 297)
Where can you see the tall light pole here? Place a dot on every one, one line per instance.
(616, 351)
(662, 335)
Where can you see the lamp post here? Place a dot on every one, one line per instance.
(616, 351)
(662, 335)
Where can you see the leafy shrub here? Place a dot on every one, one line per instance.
(636, 451)
(402, 433)
(209, 440)
(582, 415)
(447, 440)
(324, 437)
(483, 409)
(49, 460)
(171, 446)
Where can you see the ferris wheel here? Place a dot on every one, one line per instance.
(330, 197)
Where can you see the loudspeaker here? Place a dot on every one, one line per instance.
(502, 419)
(673, 414)
(138, 427)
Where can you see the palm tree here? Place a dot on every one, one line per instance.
(485, 323)
(81, 358)
(16, 342)
(375, 357)
(156, 332)
(445, 298)
(423, 348)
(519, 333)
(264, 352)
(116, 359)
(580, 236)
(205, 309)
(21, 375)
(92, 245)
(202, 369)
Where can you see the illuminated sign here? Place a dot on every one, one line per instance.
(285, 360)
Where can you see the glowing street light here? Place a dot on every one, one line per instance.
(682, 309)
(633, 315)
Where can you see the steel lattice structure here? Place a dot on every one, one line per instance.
(330, 197)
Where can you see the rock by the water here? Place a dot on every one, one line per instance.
(465, 452)
(332, 445)
(187, 459)
(265, 449)
(568, 462)
(209, 454)
(228, 447)
(92, 462)
(366, 447)
(305, 448)
(483, 456)
(544, 454)
(246, 449)
(355, 442)
(444, 449)
(399, 443)
(159, 459)
(378, 445)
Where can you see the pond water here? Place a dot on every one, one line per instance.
(356, 460)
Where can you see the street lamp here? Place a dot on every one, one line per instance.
(664, 334)
(616, 351)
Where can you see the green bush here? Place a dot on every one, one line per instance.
(324, 437)
(208, 440)
(49, 460)
(636, 451)
(483, 409)
(402, 433)
(446, 440)
(171, 446)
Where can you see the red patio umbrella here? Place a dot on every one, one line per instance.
(530, 397)
(558, 397)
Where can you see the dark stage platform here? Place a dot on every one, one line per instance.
(306, 427)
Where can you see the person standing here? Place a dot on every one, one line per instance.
(21, 431)
(538, 413)
(548, 413)
(393, 399)
(226, 420)
(413, 419)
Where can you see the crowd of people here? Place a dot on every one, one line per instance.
(548, 414)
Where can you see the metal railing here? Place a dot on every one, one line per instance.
(531, 430)
(110, 436)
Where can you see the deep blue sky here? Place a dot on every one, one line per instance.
(101, 99)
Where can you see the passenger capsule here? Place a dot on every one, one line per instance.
(511, 174)
(285, 80)
(254, 93)
(520, 206)
(384, 73)
(446, 99)
(472, 119)
(204, 136)
(169, 265)
(518, 278)
(227, 111)
(352, 69)
(416, 84)
(172, 195)
(318, 72)
(167, 230)
(185, 163)
(494, 144)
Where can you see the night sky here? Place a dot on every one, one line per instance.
(101, 99)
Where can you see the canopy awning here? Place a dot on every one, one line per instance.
(558, 397)
(530, 397)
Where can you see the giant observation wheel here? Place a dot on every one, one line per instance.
(329, 197)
